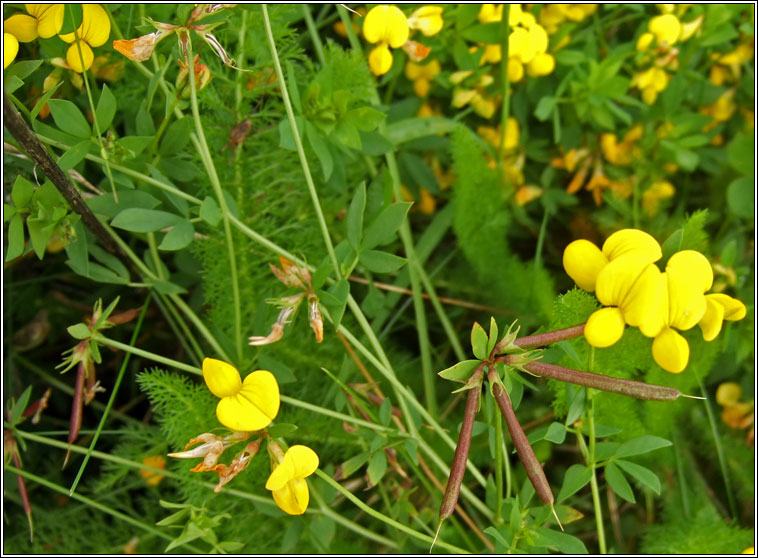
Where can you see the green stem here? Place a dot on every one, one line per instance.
(96, 505)
(180, 328)
(154, 254)
(210, 169)
(507, 461)
(299, 143)
(112, 398)
(381, 517)
(719, 448)
(313, 32)
(146, 354)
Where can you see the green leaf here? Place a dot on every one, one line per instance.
(492, 336)
(134, 145)
(354, 463)
(321, 148)
(644, 475)
(354, 218)
(292, 85)
(180, 236)
(377, 466)
(339, 292)
(741, 152)
(415, 128)
(74, 155)
(22, 192)
(643, 444)
(210, 212)
(381, 262)
(740, 196)
(686, 159)
(22, 69)
(576, 407)
(385, 412)
(618, 483)
(69, 118)
(40, 232)
(576, 478)
(144, 121)
(479, 342)
(20, 406)
(144, 220)
(545, 108)
(106, 205)
(79, 331)
(495, 534)
(76, 249)
(556, 433)
(382, 229)
(106, 109)
(567, 544)
(460, 372)
(176, 137)
(487, 33)
(365, 119)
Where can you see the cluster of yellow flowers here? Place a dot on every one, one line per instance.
(552, 16)
(658, 49)
(247, 407)
(737, 413)
(581, 161)
(387, 26)
(635, 292)
(46, 20)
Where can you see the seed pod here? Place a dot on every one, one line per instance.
(75, 423)
(458, 468)
(525, 452)
(549, 337)
(640, 390)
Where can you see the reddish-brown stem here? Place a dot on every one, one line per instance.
(525, 452)
(75, 423)
(630, 388)
(458, 468)
(549, 337)
(24, 495)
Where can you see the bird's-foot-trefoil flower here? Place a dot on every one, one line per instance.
(44, 20)
(297, 277)
(737, 413)
(211, 449)
(93, 32)
(288, 472)
(422, 76)
(247, 405)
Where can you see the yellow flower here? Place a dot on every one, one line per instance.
(44, 20)
(736, 414)
(652, 197)
(93, 32)
(10, 49)
(688, 275)
(552, 15)
(489, 13)
(624, 152)
(719, 307)
(287, 480)
(666, 28)
(388, 26)
(151, 477)
(427, 19)
(247, 405)
(651, 82)
(749, 550)
(527, 193)
(422, 76)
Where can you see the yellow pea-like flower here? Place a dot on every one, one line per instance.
(49, 18)
(93, 32)
(666, 28)
(380, 59)
(541, 65)
(10, 49)
(583, 261)
(247, 405)
(287, 480)
(427, 19)
(23, 27)
(387, 24)
(671, 351)
(719, 307)
(604, 327)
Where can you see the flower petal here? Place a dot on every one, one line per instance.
(261, 388)
(10, 49)
(427, 19)
(627, 241)
(734, 309)
(712, 319)
(693, 265)
(615, 280)
(666, 28)
(646, 303)
(80, 64)
(686, 299)
(671, 351)
(49, 18)
(386, 23)
(221, 378)
(22, 27)
(583, 261)
(281, 475)
(304, 459)
(380, 60)
(605, 327)
(254, 406)
(293, 497)
(728, 393)
(96, 26)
